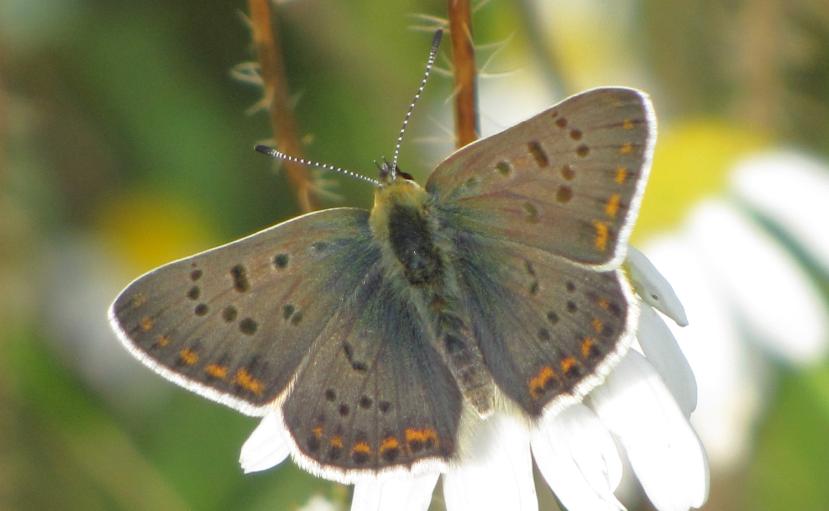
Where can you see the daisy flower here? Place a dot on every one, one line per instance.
(740, 283)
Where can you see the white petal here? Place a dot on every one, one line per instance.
(791, 190)
(267, 446)
(501, 114)
(406, 493)
(653, 288)
(578, 458)
(319, 503)
(661, 446)
(773, 294)
(495, 471)
(729, 385)
(664, 354)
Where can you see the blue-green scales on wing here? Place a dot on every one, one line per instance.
(498, 282)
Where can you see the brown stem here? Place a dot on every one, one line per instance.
(463, 56)
(272, 67)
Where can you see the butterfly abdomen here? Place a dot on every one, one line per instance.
(454, 340)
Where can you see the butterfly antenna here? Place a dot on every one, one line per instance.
(433, 52)
(279, 155)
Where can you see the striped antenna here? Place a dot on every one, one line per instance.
(433, 52)
(279, 155)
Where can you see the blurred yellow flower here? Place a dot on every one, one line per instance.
(691, 161)
(147, 228)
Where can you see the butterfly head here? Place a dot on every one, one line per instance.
(397, 190)
(389, 172)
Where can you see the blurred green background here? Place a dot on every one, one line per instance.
(125, 143)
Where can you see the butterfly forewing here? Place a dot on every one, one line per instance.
(548, 329)
(374, 395)
(235, 322)
(567, 181)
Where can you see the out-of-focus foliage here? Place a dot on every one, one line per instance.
(124, 143)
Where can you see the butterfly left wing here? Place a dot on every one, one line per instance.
(567, 181)
(373, 394)
(303, 316)
(234, 323)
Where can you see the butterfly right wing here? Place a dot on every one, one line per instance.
(549, 330)
(538, 218)
(234, 323)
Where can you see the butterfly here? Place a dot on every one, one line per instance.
(375, 332)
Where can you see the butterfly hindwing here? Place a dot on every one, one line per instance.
(567, 181)
(549, 330)
(374, 395)
(235, 322)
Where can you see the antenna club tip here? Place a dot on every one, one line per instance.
(262, 149)
(437, 37)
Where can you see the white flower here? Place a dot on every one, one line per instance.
(740, 283)
(78, 275)
(317, 503)
(644, 404)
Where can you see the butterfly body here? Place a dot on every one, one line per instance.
(372, 332)
(420, 262)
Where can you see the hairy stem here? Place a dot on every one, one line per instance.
(463, 57)
(272, 68)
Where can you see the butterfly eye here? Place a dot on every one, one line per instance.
(384, 170)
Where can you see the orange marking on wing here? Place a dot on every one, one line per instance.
(188, 356)
(597, 325)
(621, 175)
(361, 447)
(626, 148)
(336, 441)
(538, 381)
(586, 346)
(389, 443)
(421, 435)
(317, 432)
(162, 340)
(627, 124)
(603, 303)
(601, 235)
(216, 371)
(612, 206)
(146, 323)
(245, 380)
(567, 364)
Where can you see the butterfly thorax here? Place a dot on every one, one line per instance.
(397, 193)
(400, 222)
(419, 264)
